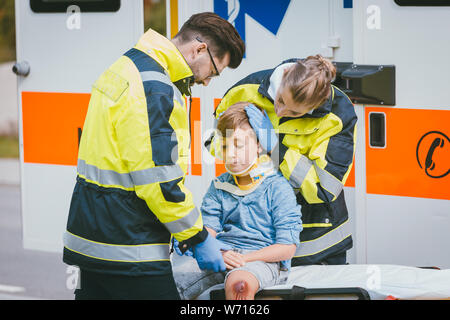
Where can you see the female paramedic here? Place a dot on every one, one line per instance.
(309, 128)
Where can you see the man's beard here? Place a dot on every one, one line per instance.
(195, 72)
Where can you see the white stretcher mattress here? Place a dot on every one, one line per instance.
(380, 281)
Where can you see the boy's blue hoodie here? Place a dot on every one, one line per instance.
(269, 215)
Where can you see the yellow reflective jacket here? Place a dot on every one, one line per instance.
(133, 157)
(315, 154)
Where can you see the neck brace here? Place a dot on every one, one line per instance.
(258, 170)
(243, 172)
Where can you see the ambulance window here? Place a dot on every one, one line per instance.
(41, 6)
(423, 3)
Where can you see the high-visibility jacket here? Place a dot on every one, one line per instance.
(315, 153)
(133, 157)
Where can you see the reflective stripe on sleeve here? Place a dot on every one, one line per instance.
(119, 253)
(104, 177)
(300, 171)
(156, 174)
(161, 77)
(155, 76)
(308, 248)
(129, 180)
(327, 180)
(184, 223)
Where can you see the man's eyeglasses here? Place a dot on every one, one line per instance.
(211, 57)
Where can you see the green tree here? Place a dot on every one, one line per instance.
(7, 31)
(155, 15)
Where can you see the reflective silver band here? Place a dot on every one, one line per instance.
(300, 171)
(157, 174)
(105, 177)
(184, 223)
(324, 242)
(178, 96)
(120, 253)
(327, 180)
(155, 76)
(129, 180)
(161, 77)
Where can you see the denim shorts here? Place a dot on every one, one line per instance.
(267, 273)
(191, 281)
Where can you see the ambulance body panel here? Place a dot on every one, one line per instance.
(403, 214)
(65, 59)
(399, 211)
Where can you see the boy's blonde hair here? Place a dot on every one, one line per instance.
(309, 81)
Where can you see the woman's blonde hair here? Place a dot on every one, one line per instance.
(309, 81)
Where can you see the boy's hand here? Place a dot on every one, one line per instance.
(233, 259)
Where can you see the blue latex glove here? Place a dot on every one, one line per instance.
(260, 122)
(178, 251)
(208, 255)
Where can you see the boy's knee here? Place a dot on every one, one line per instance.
(235, 277)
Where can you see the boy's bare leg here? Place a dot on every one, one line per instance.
(241, 285)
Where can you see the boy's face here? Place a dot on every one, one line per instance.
(241, 148)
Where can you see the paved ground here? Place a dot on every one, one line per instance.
(26, 274)
(10, 172)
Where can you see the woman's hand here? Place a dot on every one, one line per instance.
(233, 259)
(260, 122)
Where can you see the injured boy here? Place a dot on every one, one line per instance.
(252, 210)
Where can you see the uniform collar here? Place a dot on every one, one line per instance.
(271, 82)
(276, 78)
(325, 108)
(319, 112)
(169, 57)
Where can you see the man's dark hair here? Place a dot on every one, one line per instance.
(217, 32)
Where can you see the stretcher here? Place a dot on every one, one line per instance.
(357, 281)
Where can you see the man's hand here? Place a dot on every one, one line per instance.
(178, 251)
(208, 254)
(233, 259)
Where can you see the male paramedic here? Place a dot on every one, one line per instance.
(129, 196)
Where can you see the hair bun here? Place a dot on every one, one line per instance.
(310, 80)
(324, 65)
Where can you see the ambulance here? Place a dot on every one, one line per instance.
(392, 58)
